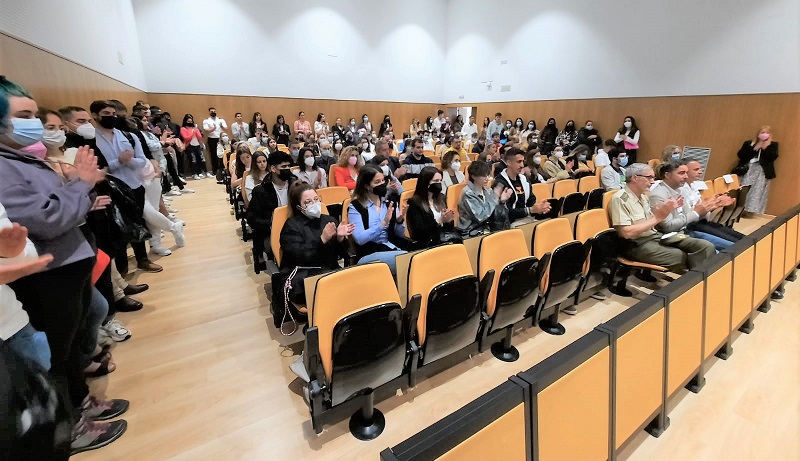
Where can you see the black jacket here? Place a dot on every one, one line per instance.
(301, 242)
(281, 138)
(262, 205)
(767, 159)
(421, 226)
(516, 209)
(592, 144)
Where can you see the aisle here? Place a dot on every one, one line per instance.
(208, 379)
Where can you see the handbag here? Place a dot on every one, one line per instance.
(288, 290)
(741, 170)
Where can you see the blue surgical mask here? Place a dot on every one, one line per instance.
(623, 161)
(676, 156)
(26, 131)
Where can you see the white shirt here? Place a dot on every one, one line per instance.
(691, 192)
(240, 132)
(311, 176)
(217, 124)
(12, 317)
(282, 194)
(468, 130)
(601, 159)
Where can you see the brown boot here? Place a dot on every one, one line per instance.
(149, 266)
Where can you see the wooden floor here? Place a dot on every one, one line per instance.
(207, 374)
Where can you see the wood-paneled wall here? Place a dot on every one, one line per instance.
(719, 122)
(57, 82)
(401, 113)
(722, 123)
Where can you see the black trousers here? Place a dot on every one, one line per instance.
(173, 172)
(139, 248)
(57, 301)
(631, 155)
(212, 152)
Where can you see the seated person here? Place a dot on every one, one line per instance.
(451, 170)
(601, 159)
(270, 194)
(376, 222)
(310, 238)
(613, 176)
(555, 166)
(478, 205)
(393, 184)
(350, 162)
(691, 194)
(427, 141)
(674, 179)
(257, 174)
(309, 171)
(522, 202)
(261, 139)
(384, 149)
(671, 153)
(242, 164)
(479, 144)
(416, 161)
(294, 150)
(634, 220)
(428, 216)
(533, 163)
(366, 148)
(580, 155)
(456, 145)
(327, 157)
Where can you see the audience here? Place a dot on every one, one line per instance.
(327, 156)
(692, 195)
(416, 161)
(192, 140)
(451, 169)
(568, 137)
(243, 162)
(302, 127)
(634, 220)
(321, 129)
(589, 137)
(309, 172)
(613, 176)
(579, 158)
(240, 130)
(478, 212)
(627, 138)
(257, 174)
(281, 131)
(214, 127)
(257, 125)
(429, 221)
(547, 141)
(350, 162)
(534, 164)
(756, 168)
(601, 159)
(557, 168)
(270, 194)
(521, 203)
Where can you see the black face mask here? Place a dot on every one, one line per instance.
(213, 114)
(380, 191)
(435, 188)
(285, 174)
(108, 121)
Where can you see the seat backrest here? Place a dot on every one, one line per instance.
(431, 268)
(497, 251)
(344, 292)
(607, 198)
(653, 163)
(332, 176)
(719, 186)
(588, 184)
(564, 187)
(244, 194)
(407, 194)
(345, 205)
(590, 223)
(333, 195)
(549, 235)
(409, 184)
(283, 148)
(454, 193)
(225, 157)
(279, 218)
(542, 190)
(709, 190)
(598, 170)
(429, 153)
(464, 165)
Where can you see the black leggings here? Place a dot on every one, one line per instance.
(212, 152)
(57, 302)
(139, 248)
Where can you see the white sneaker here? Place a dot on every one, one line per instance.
(196, 177)
(166, 199)
(171, 214)
(177, 232)
(103, 338)
(160, 250)
(173, 193)
(186, 190)
(116, 331)
(210, 175)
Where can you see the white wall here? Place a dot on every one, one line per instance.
(93, 33)
(574, 49)
(384, 51)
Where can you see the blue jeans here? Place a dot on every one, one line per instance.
(387, 257)
(32, 345)
(98, 309)
(718, 242)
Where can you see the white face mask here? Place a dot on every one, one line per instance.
(559, 153)
(54, 138)
(385, 169)
(537, 160)
(530, 126)
(628, 124)
(338, 146)
(589, 127)
(313, 211)
(86, 131)
(455, 166)
(309, 161)
(225, 139)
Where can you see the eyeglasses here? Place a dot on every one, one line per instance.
(309, 202)
(649, 177)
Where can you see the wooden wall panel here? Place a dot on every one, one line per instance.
(401, 113)
(719, 122)
(57, 82)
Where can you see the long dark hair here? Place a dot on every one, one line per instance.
(187, 117)
(569, 129)
(634, 128)
(421, 192)
(254, 171)
(550, 128)
(241, 149)
(295, 192)
(365, 176)
(278, 120)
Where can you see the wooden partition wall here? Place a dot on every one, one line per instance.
(57, 82)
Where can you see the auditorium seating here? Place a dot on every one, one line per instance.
(454, 197)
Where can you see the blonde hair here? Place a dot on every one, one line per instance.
(345, 155)
(766, 128)
(666, 153)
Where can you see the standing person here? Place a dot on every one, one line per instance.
(548, 137)
(302, 127)
(257, 124)
(496, 126)
(485, 128)
(470, 128)
(281, 131)
(627, 138)
(589, 137)
(125, 161)
(57, 299)
(321, 126)
(213, 126)
(365, 125)
(757, 157)
(192, 140)
(239, 130)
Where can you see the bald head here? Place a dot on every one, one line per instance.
(695, 172)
